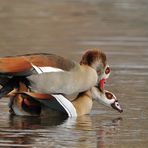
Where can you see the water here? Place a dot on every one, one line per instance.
(67, 28)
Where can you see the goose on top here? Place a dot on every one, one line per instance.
(49, 73)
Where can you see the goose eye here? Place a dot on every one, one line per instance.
(109, 95)
(107, 71)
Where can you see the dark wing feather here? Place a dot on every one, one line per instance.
(45, 99)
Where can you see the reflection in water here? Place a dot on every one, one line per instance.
(24, 131)
(77, 132)
(18, 122)
(109, 130)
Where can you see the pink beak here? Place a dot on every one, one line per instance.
(101, 84)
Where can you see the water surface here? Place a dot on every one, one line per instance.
(67, 28)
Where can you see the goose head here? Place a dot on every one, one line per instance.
(107, 98)
(97, 60)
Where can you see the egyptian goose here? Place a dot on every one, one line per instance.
(49, 73)
(28, 103)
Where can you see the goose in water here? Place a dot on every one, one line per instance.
(30, 104)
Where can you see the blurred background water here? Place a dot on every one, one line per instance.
(68, 28)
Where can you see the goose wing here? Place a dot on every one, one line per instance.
(55, 102)
(22, 65)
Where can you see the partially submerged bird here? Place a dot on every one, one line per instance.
(49, 73)
(30, 104)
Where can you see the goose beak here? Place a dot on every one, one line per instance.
(117, 106)
(120, 110)
(101, 85)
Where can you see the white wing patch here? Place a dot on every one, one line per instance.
(67, 105)
(45, 69)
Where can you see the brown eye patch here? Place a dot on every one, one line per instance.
(109, 95)
(107, 71)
